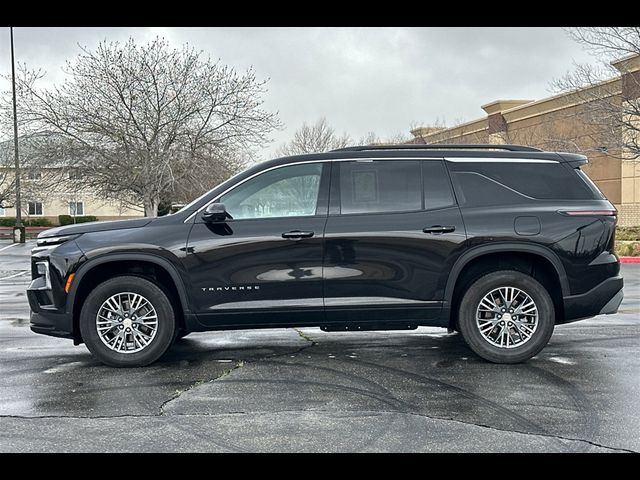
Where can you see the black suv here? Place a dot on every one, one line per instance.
(498, 242)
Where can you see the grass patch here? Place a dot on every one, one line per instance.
(628, 233)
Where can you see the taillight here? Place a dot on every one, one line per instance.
(589, 213)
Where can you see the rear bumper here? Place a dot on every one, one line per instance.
(604, 298)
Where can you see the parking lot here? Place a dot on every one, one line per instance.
(306, 390)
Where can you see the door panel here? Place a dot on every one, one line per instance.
(267, 270)
(388, 266)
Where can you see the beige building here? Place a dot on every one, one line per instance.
(565, 122)
(48, 193)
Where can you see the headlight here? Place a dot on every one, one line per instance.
(42, 270)
(41, 242)
(51, 242)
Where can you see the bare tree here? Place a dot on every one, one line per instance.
(372, 138)
(139, 120)
(604, 104)
(316, 138)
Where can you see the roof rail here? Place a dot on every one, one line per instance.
(405, 146)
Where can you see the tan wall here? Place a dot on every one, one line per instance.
(56, 195)
(558, 123)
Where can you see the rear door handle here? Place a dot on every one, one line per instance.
(438, 229)
(296, 234)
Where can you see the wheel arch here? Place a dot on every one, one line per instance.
(502, 253)
(78, 292)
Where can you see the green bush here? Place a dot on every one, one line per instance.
(625, 248)
(86, 218)
(69, 220)
(628, 233)
(65, 219)
(38, 222)
(32, 222)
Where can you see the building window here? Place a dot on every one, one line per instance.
(34, 175)
(3, 212)
(35, 208)
(76, 208)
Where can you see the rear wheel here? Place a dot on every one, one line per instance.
(506, 317)
(127, 321)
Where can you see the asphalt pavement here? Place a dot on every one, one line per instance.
(298, 390)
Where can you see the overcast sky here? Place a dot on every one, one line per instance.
(361, 79)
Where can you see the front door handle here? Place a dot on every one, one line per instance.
(438, 229)
(297, 234)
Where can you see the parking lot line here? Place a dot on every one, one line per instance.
(14, 275)
(8, 246)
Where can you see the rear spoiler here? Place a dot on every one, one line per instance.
(574, 160)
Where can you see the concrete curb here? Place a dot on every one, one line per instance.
(629, 259)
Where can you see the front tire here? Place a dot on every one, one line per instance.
(506, 317)
(127, 321)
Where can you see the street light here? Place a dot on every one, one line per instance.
(18, 230)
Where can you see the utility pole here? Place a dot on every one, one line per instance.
(18, 230)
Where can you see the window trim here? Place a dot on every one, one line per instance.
(35, 208)
(76, 202)
(37, 175)
(193, 215)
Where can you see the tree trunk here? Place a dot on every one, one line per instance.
(151, 206)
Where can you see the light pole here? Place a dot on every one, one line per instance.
(18, 230)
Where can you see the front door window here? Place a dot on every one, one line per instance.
(290, 191)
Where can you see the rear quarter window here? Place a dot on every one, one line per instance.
(494, 183)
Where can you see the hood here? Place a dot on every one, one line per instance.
(95, 227)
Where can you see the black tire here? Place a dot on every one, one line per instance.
(471, 332)
(181, 334)
(166, 326)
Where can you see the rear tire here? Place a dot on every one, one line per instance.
(506, 331)
(127, 321)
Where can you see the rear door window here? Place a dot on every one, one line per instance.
(380, 186)
(437, 186)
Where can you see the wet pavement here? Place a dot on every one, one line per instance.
(307, 390)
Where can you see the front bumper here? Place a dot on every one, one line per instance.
(604, 298)
(48, 321)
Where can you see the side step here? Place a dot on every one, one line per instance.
(364, 327)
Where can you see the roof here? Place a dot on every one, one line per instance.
(418, 151)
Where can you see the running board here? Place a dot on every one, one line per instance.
(363, 327)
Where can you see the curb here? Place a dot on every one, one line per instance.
(629, 259)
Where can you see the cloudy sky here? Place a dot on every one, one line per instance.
(382, 80)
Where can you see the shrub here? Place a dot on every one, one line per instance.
(628, 233)
(626, 248)
(86, 218)
(69, 220)
(32, 222)
(38, 222)
(65, 219)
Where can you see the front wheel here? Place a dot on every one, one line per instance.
(127, 321)
(506, 317)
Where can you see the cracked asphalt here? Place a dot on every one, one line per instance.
(290, 390)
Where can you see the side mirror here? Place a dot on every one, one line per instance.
(215, 213)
